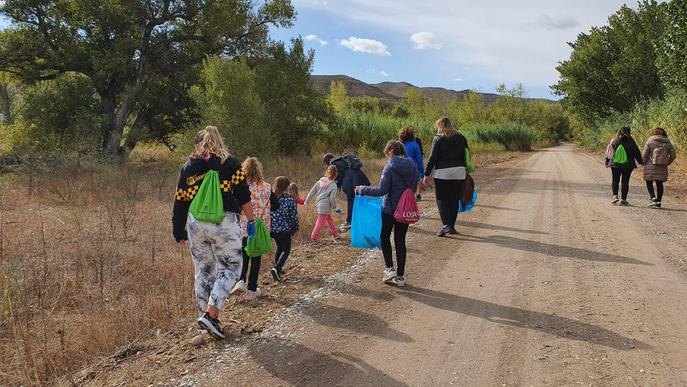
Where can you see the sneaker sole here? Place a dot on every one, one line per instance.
(400, 284)
(207, 325)
(388, 280)
(275, 275)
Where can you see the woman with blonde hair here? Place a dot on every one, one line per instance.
(446, 164)
(215, 248)
(263, 202)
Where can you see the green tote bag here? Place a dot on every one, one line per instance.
(468, 161)
(261, 243)
(208, 205)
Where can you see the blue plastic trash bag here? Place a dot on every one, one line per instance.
(366, 225)
(468, 208)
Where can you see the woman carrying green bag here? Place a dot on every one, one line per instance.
(215, 241)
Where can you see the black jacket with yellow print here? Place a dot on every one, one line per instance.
(232, 181)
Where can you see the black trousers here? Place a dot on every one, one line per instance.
(254, 264)
(283, 250)
(400, 231)
(448, 194)
(619, 174)
(659, 189)
(350, 199)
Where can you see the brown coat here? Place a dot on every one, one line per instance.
(656, 172)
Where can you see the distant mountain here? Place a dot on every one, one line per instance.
(392, 91)
(354, 87)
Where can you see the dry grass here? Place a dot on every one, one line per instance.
(88, 266)
(91, 277)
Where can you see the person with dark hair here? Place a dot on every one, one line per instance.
(413, 152)
(349, 176)
(284, 224)
(621, 154)
(658, 154)
(400, 173)
(446, 165)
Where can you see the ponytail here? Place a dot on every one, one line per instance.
(211, 142)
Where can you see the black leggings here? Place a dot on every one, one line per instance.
(659, 189)
(618, 174)
(254, 263)
(448, 194)
(349, 211)
(283, 250)
(400, 231)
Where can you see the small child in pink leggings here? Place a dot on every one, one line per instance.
(324, 193)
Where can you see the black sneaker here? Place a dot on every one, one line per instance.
(212, 326)
(444, 230)
(418, 197)
(275, 274)
(624, 203)
(452, 231)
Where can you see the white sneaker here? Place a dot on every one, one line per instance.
(615, 199)
(239, 287)
(400, 281)
(389, 275)
(253, 295)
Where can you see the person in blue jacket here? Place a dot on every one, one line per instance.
(400, 173)
(413, 152)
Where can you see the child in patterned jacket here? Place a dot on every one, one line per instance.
(263, 201)
(284, 224)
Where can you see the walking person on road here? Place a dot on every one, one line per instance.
(349, 175)
(622, 156)
(446, 165)
(215, 248)
(658, 154)
(413, 151)
(400, 173)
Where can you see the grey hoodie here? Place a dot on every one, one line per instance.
(324, 191)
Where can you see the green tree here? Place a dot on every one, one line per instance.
(9, 93)
(672, 48)
(295, 111)
(56, 115)
(338, 96)
(414, 102)
(130, 49)
(228, 99)
(612, 67)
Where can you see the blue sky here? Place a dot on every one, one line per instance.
(457, 44)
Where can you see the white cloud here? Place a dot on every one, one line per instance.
(458, 79)
(368, 46)
(498, 41)
(383, 73)
(425, 41)
(315, 38)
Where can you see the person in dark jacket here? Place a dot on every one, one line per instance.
(349, 175)
(284, 224)
(446, 164)
(400, 173)
(622, 172)
(215, 248)
(413, 151)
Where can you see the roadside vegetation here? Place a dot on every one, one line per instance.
(630, 72)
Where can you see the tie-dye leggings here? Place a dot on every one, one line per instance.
(216, 253)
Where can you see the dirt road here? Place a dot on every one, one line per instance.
(548, 283)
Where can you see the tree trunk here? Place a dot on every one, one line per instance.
(117, 118)
(134, 135)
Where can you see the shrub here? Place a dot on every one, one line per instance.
(513, 137)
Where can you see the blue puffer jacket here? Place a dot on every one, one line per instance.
(414, 153)
(399, 174)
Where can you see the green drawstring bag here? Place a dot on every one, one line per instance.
(261, 243)
(208, 205)
(620, 155)
(468, 161)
